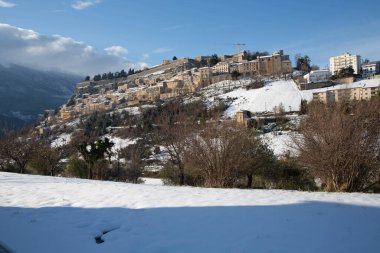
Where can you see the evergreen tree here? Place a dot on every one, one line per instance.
(110, 76)
(94, 151)
(123, 73)
(97, 77)
(214, 60)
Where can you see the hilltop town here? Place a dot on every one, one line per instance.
(171, 79)
(179, 77)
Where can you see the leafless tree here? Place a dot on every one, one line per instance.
(340, 144)
(173, 131)
(135, 165)
(17, 149)
(218, 154)
(46, 159)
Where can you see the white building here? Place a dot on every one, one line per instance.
(317, 76)
(343, 61)
(371, 69)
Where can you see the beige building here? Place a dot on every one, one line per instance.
(355, 91)
(205, 76)
(66, 114)
(343, 61)
(243, 119)
(248, 68)
(221, 68)
(275, 64)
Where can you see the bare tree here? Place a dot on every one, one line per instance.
(173, 132)
(340, 144)
(135, 165)
(217, 153)
(46, 159)
(17, 149)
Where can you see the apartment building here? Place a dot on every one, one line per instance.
(343, 61)
(355, 91)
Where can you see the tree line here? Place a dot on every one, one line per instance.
(112, 75)
(335, 144)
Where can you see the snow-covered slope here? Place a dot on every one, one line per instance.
(44, 214)
(285, 92)
(266, 98)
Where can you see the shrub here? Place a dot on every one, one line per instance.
(76, 167)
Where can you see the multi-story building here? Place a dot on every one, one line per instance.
(355, 91)
(221, 68)
(344, 61)
(205, 76)
(248, 68)
(370, 69)
(275, 64)
(66, 114)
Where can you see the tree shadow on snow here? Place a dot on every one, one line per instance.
(303, 227)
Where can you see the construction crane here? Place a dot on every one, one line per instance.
(238, 45)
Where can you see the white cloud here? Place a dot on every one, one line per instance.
(146, 56)
(31, 49)
(116, 50)
(162, 50)
(5, 4)
(83, 4)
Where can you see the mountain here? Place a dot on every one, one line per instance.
(25, 93)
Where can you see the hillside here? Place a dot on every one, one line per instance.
(25, 93)
(46, 214)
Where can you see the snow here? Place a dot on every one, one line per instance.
(279, 142)
(46, 214)
(359, 84)
(152, 181)
(61, 140)
(119, 143)
(265, 99)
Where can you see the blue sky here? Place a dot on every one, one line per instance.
(148, 31)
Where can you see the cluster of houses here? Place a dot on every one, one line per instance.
(178, 77)
(171, 79)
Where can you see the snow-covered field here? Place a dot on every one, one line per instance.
(44, 214)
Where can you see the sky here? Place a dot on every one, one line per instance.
(95, 36)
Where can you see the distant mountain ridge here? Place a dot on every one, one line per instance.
(25, 93)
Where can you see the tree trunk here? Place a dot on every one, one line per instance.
(249, 180)
(181, 175)
(89, 171)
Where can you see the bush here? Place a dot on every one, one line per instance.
(76, 167)
(170, 176)
(340, 144)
